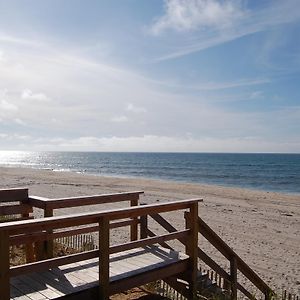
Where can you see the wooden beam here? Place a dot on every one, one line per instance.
(4, 266)
(29, 249)
(37, 201)
(42, 235)
(15, 194)
(143, 227)
(149, 276)
(15, 209)
(104, 258)
(134, 225)
(92, 200)
(48, 244)
(125, 284)
(233, 277)
(20, 227)
(192, 248)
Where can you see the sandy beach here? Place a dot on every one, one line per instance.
(262, 227)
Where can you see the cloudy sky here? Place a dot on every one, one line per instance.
(139, 75)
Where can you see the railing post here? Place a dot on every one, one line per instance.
(48, 244)
(134, 226)
(4, 265)
(29, 249)
(144, 226)
(104, 258)
(233, 277)
(191, 219)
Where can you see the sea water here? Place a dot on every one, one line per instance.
(270, 172)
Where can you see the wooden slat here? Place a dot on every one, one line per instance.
(233, 277)
(87, 218)
(11, 195)
(150, 241)
(15, 209)
(104, 258)
(52, 263)
(4, 266)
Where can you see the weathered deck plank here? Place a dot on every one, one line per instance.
(76, 277)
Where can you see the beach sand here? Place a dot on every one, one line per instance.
(262, 227)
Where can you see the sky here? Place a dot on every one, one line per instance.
(140, 75)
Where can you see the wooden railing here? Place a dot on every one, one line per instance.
(42, 232)
(45, 249)
(38, 229)
(14, 204)
(236, 264)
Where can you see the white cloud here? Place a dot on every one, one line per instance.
(7, 106)
(101, 107)
(156, 143)
(213, 86)
(257, 95)
(132, 108)
(2, 57)
(187, 15)
(19, 121)
(119, 119)
(202, 31)
(28, 94)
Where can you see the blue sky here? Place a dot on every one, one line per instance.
(137, 75)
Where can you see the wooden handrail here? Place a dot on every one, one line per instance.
(20, 227)
(46, 203)
(236, 261)
(15, 194)
(201, 254)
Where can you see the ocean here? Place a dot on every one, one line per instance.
(269, 172)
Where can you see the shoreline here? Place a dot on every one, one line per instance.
(120, 176)
(262, 227)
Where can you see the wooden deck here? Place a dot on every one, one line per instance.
(99, 273)
(84, 275)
